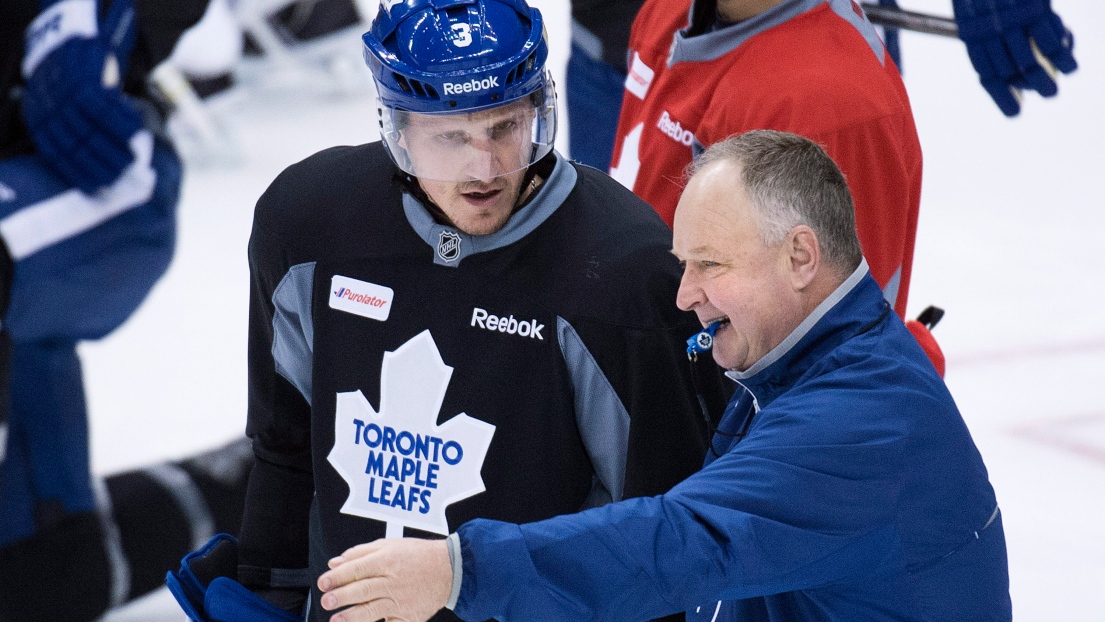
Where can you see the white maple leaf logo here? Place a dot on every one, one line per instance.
(401, 467)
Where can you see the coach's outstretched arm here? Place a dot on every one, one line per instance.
(640, 558)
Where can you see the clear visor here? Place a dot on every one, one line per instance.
(472, 146)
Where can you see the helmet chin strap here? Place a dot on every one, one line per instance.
(535, 175)
(530, 182)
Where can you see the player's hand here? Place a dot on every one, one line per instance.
(406, 579)
(1015, 45)
(74, 109)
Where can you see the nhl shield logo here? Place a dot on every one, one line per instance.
(448, 246)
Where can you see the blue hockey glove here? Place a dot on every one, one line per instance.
(1015, 45)
(73, 106)
(206, 590)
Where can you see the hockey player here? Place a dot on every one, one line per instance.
(703, 70)
(841, 485)
(454, 309)
(1014, 45)
(88, 193)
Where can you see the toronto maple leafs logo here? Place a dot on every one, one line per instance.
(705, 340)
(401, 467)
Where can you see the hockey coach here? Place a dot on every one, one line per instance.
(842, 483)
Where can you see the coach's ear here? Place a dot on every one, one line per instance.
(802, 256)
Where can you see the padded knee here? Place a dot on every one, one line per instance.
(95, 273)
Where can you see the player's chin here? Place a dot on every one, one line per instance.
(485, 222)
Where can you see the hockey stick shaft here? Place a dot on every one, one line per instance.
(890, 17)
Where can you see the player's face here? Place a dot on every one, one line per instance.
(729, 273)
(472, 165)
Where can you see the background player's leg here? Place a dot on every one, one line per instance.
(71, 547)
(594, 93)
(49, 425)
(145, 521)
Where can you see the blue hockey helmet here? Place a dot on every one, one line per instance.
(436, 61)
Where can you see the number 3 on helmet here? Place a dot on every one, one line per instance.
(444, 68)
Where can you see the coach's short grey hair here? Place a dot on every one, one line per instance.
(792, 181)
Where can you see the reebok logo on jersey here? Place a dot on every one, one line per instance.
(456, 88)
(360, 298)
(508, 325)
(673, 129)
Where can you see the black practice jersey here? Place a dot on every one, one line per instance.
(560, 331)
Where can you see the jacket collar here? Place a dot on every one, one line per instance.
(851, 309)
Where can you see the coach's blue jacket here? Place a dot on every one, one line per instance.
(856, 494)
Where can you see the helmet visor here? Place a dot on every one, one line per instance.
(467, 146)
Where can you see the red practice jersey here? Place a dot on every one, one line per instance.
(811, 67)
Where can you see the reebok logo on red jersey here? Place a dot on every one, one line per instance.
(675, 130)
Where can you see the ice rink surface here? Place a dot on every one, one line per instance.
(1010, 244)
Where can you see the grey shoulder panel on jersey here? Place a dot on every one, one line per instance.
(460, 245)
(713, 45)
(601, 417)
(293, 327)
(846, 10)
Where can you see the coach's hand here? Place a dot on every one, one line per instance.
(406, 579)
